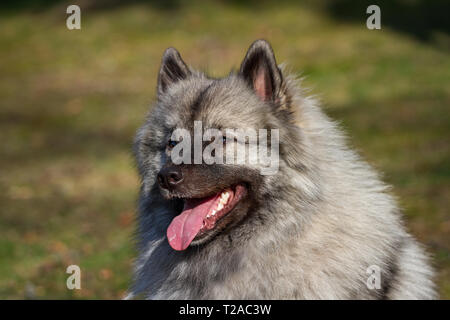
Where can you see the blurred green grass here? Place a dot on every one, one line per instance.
(70, 102)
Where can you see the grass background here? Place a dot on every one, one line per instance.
(70, 102)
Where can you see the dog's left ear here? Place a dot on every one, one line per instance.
(261, 72)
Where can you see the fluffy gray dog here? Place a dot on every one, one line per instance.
(321, 227)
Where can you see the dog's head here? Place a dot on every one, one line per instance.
(193, 121)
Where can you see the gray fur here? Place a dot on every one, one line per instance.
(320, 222)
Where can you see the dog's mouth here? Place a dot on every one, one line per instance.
(201, 216)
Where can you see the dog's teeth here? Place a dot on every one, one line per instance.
(224, 197)
(222, 201)
(211, 214)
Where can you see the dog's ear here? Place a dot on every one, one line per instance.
(261, 72)
(172, 69)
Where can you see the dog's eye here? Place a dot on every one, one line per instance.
(171, 144)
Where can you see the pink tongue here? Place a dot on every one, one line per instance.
(184, 227)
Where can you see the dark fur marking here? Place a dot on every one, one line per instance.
(198, 103)
(391, 274)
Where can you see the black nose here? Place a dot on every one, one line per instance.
(169, 177)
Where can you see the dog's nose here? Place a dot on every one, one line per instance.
(169, 177)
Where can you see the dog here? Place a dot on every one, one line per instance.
(320, 226)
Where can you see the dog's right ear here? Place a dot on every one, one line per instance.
(172, 69)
